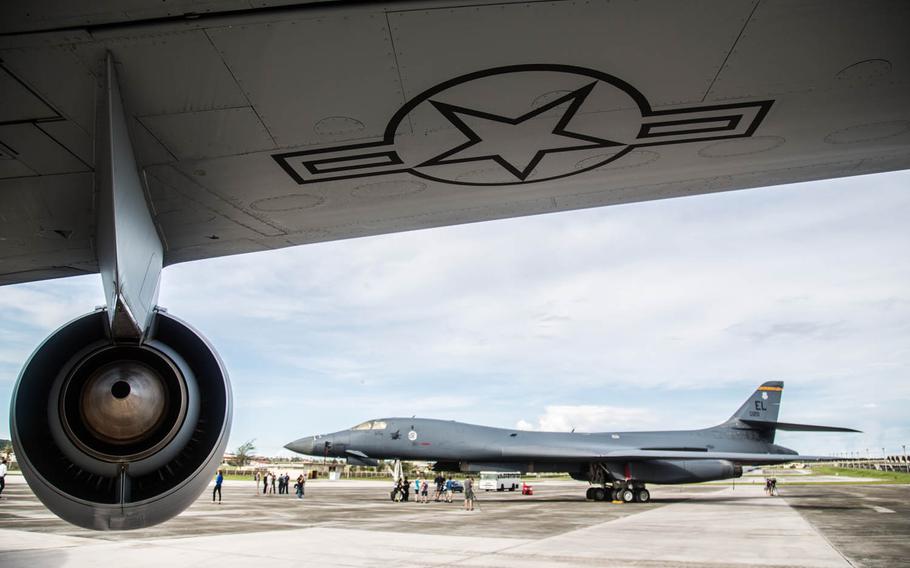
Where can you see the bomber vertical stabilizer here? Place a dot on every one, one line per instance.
(760, 411)
(762, 406)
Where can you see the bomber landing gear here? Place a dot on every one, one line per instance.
(596, 494)
(606, 487)
(625, 493)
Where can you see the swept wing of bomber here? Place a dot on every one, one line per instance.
(617, 464)
(138, 135)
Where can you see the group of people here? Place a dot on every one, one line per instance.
(444, 490)
(273, 483)
(770, 486)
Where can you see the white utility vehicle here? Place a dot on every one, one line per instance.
(500, 480)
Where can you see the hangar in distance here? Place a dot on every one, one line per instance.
(133, 137)
(617, 464)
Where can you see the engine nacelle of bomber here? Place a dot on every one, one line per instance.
(120, 435)
(684, 471)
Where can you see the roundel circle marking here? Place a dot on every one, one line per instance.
(486, 128)
(412, 435)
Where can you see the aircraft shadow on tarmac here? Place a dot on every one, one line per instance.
(745, 499)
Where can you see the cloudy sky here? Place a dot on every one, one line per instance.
(646, 316)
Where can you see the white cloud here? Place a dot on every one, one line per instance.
(592, 418)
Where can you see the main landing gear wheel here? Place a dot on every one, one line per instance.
(589, 494)
(643, 496)
(599, 494)
(627, 495)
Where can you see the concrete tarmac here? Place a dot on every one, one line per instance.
(353, 524)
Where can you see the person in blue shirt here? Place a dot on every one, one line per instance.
(219, 479)
(448, 491)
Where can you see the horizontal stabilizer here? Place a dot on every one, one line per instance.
(767, 425)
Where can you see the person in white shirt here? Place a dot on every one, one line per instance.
(2, 475)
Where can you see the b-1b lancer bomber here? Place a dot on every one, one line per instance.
(617, 464)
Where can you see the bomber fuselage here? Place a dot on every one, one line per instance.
(441, 440)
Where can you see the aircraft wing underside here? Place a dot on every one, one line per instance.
(264, 128)
(585, 454)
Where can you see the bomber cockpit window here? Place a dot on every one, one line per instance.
(371, 425)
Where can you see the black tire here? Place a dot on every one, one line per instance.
(589, 494)
(627, 495)
(643, 496)
(599, 494)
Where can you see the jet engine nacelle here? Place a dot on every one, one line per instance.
(684, 471)
(121, 435)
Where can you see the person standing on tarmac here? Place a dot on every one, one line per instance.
(449, 489)
(439, 482)
(219, 479)
(469, 494)
(299, 486)
(2, 475)
(424, 491)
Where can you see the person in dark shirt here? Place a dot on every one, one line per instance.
(440, 482)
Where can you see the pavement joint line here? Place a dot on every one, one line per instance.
(846, 558)
(879, 509)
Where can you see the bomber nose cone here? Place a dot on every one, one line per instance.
(302, 446)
